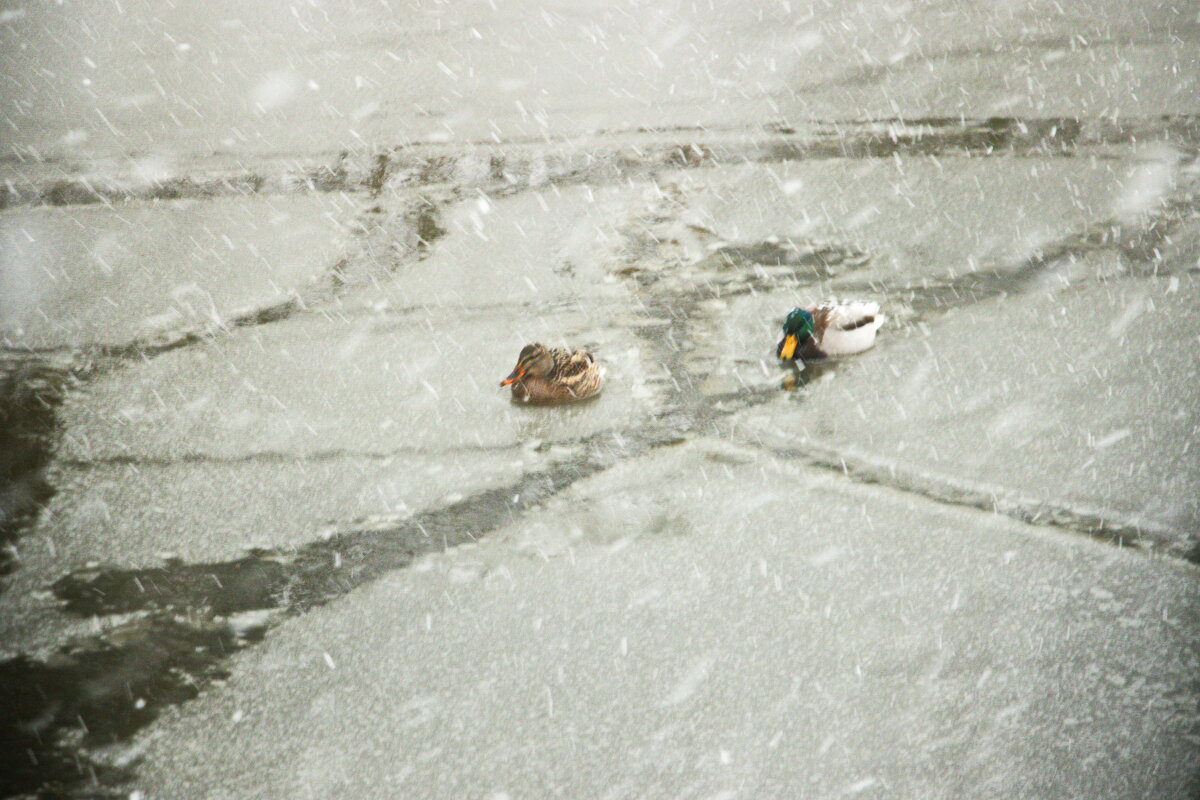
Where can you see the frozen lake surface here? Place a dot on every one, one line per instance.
(273, 529)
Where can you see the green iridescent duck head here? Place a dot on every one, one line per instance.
(797, 328)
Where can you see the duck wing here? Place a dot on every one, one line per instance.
(570, 363)
(581, 360)
(847, 315)
(579, 374)
(849, 326)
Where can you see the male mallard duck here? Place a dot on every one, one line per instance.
(830, 329)
(554, 375)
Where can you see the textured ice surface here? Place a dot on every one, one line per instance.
(273, 77)
(109, 274)
(212, 509)
(918, 217)
(708, 621)
(424, 380)
(1084, 394)
(647, 636)
(542, 248)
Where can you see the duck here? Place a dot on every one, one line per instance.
(547, 375)
(831, 328)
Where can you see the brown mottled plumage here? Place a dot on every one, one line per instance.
(554, 375)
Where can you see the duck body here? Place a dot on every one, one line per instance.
(548, 375)
(831, 328)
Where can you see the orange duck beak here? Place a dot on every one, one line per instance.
(787, 350)
(515, 376)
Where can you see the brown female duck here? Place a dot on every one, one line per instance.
(554, 375)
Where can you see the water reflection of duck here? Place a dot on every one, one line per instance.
(833, 328)
(554, 375)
